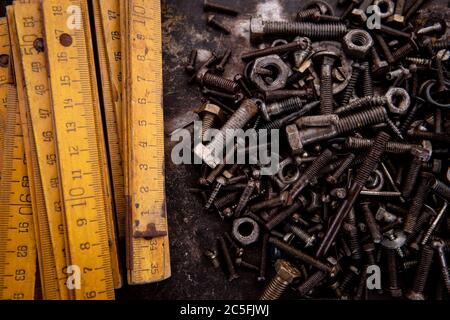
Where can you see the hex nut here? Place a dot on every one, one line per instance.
(390, 7)
(398, 100)
(286, 271)
(248, 237)
(272, 62)
(357, 43)
(358, 16)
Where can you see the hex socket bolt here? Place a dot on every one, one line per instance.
(301, 255)
(289, 47)
(285, 275)
(311, 173)
(211, 152)
(259, 29)
(289, 105)
(368, 166)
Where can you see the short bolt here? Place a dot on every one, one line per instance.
(190, 66)
(215, 23)
(286, 274)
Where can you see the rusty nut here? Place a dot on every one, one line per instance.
(388, 7)
(245, 231)
(398, 100)
(357, 43)
(272, 62)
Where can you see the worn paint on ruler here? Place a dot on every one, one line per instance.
(4, 74)
(148, 258)
(81, 164)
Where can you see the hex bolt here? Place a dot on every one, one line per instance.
(190, 66)
(398, 17)
(349, 90)
(367, 79)
(422, 272)
(300, 255)
(212, 21)
(209, 113)
(240, 80)
(229, 263)
(245, 198)
(384, 46)
(220, 68)
(330, 30)
(302, 235)
(440, 247)
(311, 283)
(394, 289)
(311, 173)
(211, 6)
(285, 275)
(417, 203)
(289, 105)
(206, 78)
(371, 223)
(238, 120)
(353, 143)
(298, 44)
(412, 173)
(263, 259)
(328, 59)
(280, 200)
(368, 166)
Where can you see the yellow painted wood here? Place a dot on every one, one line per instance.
(148, 247)
(40, 121)
(82, 159)
(4, 73)
(17, 243)
(108, 50)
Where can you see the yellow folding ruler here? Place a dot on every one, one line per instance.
(32, 70)
(79, 140)
(107, 27)
(4, 73)
(148, 244)
(17, 243)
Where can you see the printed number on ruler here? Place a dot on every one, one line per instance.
(4, 73)
(34, 65)
(80, 162)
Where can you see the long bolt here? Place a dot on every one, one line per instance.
(263, 261)
(333, 178)
(367, 79)
(229, 263)
(363, 174)
(362, 103)
(394, 288)
(206, 78)
(353, 143)
(302, 235)
(286, 274)
(245, 198)
(351, 229)
(296, 45)
(282, 215)
(384, 46)
(434, 224)
(300, 255)
(423, 270)
(281, 200)
(417, 203)
(413, 9)
(411, 176)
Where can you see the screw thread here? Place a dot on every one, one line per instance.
(354, 143)
(366, 102)
(226, 200)
(367, 80)
(307, 29)
(403, 51)
(310, 283)
(441, 189)
(437, 137)
(411, 177)
(416, 204)
(275, 289)
(213, 80)
(245, 198)
(371, 161)
(301, 234)
(423, 269)
(347, 280)
(285, 106)
(422, 220)
(346, 163)
(213, 195)
(361, 120)
(409, 119)
(207, 123)
(348, 93)
(441, 44)
(306, 14)
(326, 90)
(418, 61)
(353, 236)
(371, 223)
(392, 267)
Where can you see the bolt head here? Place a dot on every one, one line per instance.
(286, 271)
(415, 296)
(397, 19)
(294, 139)
(256, 29)
(380, 68)
(211, 109)
(326, 57)
(358, 16)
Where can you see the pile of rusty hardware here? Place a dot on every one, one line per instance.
(357, 207)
